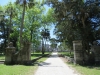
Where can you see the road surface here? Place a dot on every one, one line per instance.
(54, 66)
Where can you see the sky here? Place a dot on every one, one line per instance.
(4, 2)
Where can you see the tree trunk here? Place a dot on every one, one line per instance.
(22, 23)
(31, 35)
(85, 37)
(42, 46)
(9, 28)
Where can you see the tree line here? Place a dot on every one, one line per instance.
(76, 20)
(21, 22)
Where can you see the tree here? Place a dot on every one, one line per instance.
(33, 23)
(45, 35)
(75, 20)
(24, 4)
(10, 12)
(53, 42)
(3, 30)
(46, 21)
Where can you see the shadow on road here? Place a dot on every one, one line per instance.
(44, 63)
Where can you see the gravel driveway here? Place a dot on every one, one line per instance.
(54, 66)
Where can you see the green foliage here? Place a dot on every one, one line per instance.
(74, 20)
(48, 18)
(24, 21)
(15, 33)
(53, 43)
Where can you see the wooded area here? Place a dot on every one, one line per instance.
(22, 22)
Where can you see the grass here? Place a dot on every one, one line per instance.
(2, 57)
(17, 70)
(21, 69)
(33, 55)
(38, 54)
(42, 59)
(86, 70)
(67, 54)
(83, 70)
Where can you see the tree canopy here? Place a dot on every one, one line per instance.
(76, 20)
(22, 21)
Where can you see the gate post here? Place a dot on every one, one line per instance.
(10, 50)
(78, 53)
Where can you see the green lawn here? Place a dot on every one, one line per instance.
(66, 54)
(33, 55)
(21, 69)
(87, 70)
(37, 54)
(17, 70)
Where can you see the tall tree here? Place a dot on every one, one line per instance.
(74, 18)
(46, 22)
(24, 4)
(10, 12)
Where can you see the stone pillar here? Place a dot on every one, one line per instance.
(96, 50)
(24, 55)
(78, 53)
(10, 50)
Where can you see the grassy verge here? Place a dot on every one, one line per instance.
(33, 55)
(86, 70)
(42, 59)
(17, 70)
(66, 54)
(38, 54)
(21, 69)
